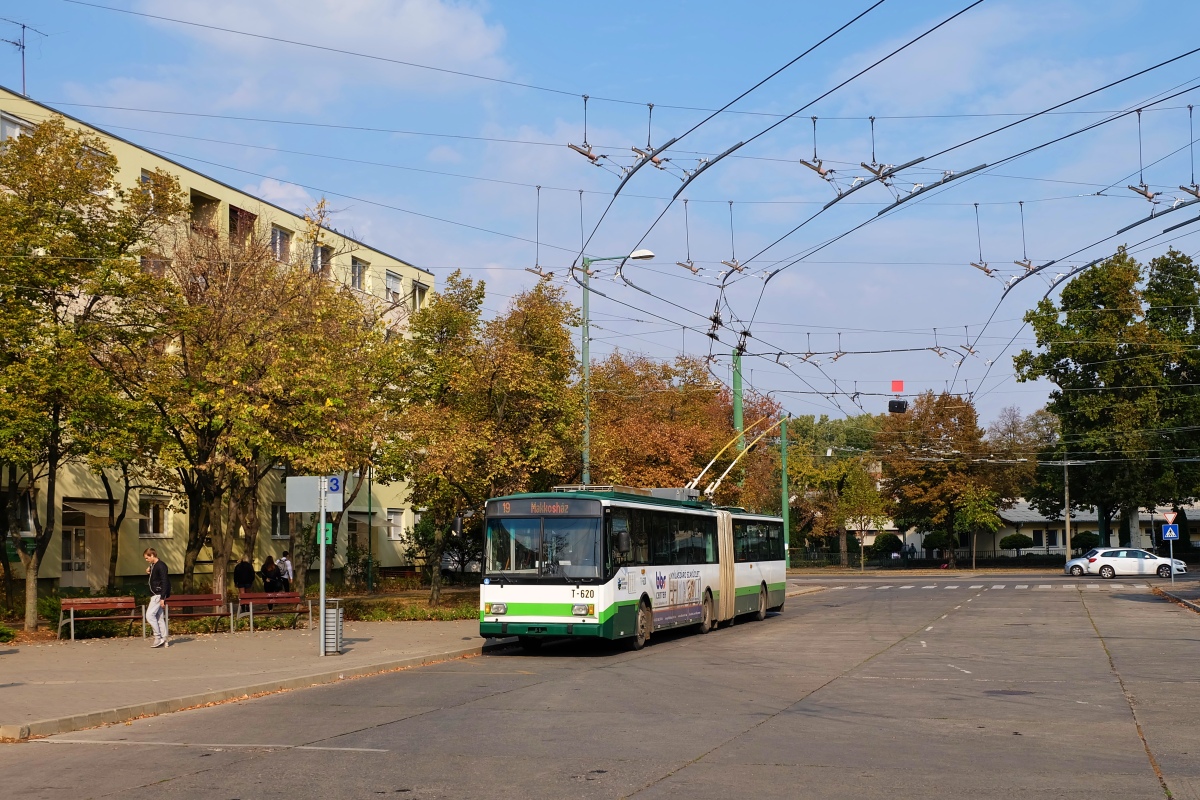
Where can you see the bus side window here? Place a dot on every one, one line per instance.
(710, 541)
(776, 542)
(740, 545)
(618, 523)
(661, 537)
(640, 551)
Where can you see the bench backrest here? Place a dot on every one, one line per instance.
(98, 603)
(269, 597)
(195, 600)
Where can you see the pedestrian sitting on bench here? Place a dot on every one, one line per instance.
(243, 577)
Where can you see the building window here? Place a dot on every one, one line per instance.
(153, 524)
(395, 524)
(279, 521)
(321, 258)
(281, 244)
(358, 268)
(1038, 540)
(1051, 538)
(11, 127)
(392, 287)
(418, 295)
(241, 225)
(204, 214)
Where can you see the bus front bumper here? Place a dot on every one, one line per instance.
(496, 629)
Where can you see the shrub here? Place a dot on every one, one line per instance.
(886, 544)
(940, 540)
(1016, 541)
(7, 634)
(1085, 541)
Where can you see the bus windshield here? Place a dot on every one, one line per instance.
(544, 547)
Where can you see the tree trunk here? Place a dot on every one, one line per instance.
(31, 590)
(974, 540)
(435, 572)
(44, 533)
(1125, 531)
(222, 537)
(115, 520)
(202, 502)
(1104, 518)
(843, 550)
(12, 527)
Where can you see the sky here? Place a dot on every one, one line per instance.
(429, 126)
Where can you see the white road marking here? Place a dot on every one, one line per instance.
(1093, 586)
(215, 746)
(928, 587)
(960, 669)
(907, 587)
(951, 587)
(956, 608)
(1118, 586)
(1045, 586)
(980, 586)
(944, 616)
(1022, 585)
(1068, 586)
(929, 628)
(862, 587)
(879, 588)
(998, 586)
(923, 643)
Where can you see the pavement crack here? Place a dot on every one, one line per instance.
(1137, 724)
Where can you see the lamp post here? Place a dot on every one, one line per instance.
(636, 255)
(1066, 462)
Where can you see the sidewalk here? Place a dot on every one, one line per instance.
(1185, 591)
(67, 686)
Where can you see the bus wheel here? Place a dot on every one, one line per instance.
(642, 634)
(530, 644)
(706, 614)
(761, 613)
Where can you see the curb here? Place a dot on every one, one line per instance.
(805, 590)
(1180, 600)
(77, 722)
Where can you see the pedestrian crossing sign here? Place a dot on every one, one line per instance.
(1170, 532)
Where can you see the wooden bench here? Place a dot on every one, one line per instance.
(188, 605)
(293, 602)
(72, 604)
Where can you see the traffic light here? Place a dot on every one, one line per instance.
(897, 406)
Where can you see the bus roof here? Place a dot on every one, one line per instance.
(641, 499)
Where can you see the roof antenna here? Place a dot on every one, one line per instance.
(687, 238)
(981, 264)
(20, 45)
(1024, 262)
(733, 263)
(586, 149)
(1193, 190)
(1142, 188)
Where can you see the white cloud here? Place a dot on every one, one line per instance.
(443, 154)
(286, 195)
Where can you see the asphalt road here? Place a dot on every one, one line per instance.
(962, 690)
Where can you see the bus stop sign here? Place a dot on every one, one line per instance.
(1170, 532)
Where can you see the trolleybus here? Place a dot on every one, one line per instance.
(622, 563)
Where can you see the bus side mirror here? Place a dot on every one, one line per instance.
(623, 541)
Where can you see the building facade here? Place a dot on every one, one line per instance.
(78, 556)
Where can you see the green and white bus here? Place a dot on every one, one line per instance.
(621, 563)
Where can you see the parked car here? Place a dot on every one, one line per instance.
(1078, 566)
(1109, 562)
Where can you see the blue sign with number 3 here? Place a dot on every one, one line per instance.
(335, 484)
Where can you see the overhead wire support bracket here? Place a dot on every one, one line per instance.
(1182, 224)
(703, 167)
(882, 176)
(641, 163)
(1156, 216)
(925, 189)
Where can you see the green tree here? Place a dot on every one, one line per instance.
(860, 503)
(976, 510)
(71, 236)
(484, 408)
(1107, 359)
(1016, 541)
(887, 543)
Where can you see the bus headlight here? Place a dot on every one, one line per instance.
(583, 609)
(495, 608)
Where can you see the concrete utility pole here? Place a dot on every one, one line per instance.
(786, 497)
(737, 397)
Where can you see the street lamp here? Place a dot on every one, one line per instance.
(636, 255)
(1066, 462)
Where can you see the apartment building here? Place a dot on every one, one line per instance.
(78, 556)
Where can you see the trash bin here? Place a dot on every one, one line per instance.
(331, 623)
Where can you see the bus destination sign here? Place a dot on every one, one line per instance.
(543, 507)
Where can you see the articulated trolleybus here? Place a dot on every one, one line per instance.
(621, 563)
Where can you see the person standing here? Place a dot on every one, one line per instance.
(285, 571)
(160, 590)
(243, 577)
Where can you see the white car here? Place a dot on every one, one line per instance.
(1109, 562)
